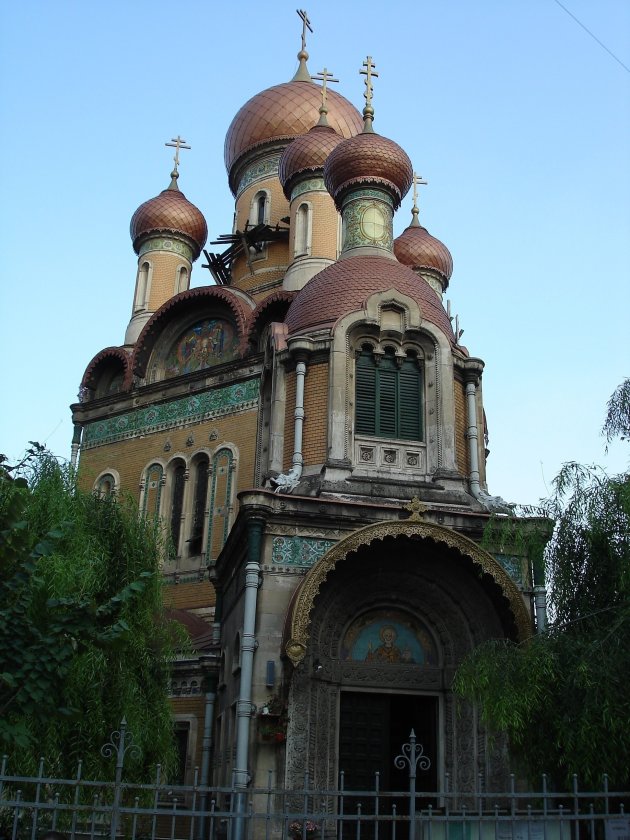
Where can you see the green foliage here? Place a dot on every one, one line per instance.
(562, 697)
(83, 636)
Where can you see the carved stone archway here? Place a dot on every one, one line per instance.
(440, 577)
(300, 618)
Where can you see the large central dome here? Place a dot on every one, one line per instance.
(283, 112)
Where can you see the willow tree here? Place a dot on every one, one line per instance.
(83, 636)
(562, 697)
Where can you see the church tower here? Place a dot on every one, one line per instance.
(309, 432)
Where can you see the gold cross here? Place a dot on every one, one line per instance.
(306, 24)
(418, 180)
(368, 73)
(324, 76)
(416, 509)
(177, 143)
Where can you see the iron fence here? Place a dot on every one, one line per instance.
(82, 809)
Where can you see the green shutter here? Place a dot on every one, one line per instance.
(387, 399)
(365, 394)
(410, 380)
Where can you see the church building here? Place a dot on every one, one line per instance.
(310, 433)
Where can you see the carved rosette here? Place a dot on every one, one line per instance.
(301, 614)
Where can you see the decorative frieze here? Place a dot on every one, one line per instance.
(158, 243)
(373, 455)
(512, 565)
(258, 171)
(155, 418)
(308, 185)
(298, 551)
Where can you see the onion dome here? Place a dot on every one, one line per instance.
(416, 248)
(283, 112)
(344, 287)
(169, 213)
(307, 153)
(368, 159)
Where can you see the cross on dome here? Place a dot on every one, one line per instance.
(368, 111)
(418, 180)
(302, 74)
(306, 24)
(177, 143)
(324, 76)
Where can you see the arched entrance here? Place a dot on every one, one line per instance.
(377, 631)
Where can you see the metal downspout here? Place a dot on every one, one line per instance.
(473, 436)
(76, 445)
(248, 647)
(297, 460)
(211, 694)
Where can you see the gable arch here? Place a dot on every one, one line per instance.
(185, 309)
(301, 610)
(107, 373)
(272, 308)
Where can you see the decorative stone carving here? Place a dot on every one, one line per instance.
(459, 615)
(303, 605)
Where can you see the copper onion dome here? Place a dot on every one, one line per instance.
(307, 153)
(283, 112)
(170, 212)
(416, 248)
(368, 158)
(344, 287)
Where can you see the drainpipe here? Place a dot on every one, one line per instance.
(76, 444)
(540, 594)
(208, 663)
(493, 503)
(540, 604)
(248, 647)
(286, 482)
(472, 434)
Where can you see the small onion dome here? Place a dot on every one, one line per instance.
(170, 212)
(416, 248)
(283, 112)
(306, 153)
(344, 287)
(368, 159)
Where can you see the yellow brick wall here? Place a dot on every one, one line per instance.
(276, 253)
(166, 265)
(315, 431)
(189, 596)
(325, 224)
(461, 442)
(130, 457)
(251, 282)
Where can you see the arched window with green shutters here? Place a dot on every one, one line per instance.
(389, 395)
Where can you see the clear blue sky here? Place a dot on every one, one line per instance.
(516, 116)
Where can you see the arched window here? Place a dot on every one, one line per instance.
(222, 490)
(302, 230)
(105, 485)
(389, 395)
(200, 497)
(142, 286)
(261, 207)
(181, 282)
(178, 484)
(152, 490)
